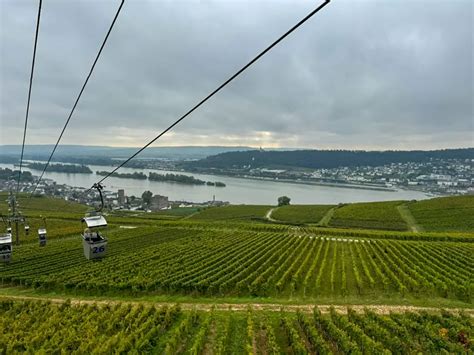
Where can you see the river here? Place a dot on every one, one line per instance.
(237, 191)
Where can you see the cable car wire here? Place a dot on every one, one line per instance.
(79, 96)
(261, 54)
(29, 94)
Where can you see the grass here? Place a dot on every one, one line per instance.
(43, 205)
(301, 213)
(150, 298)
(445, 213)
(372, 215)
(233, 213)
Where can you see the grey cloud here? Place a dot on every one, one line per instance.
(365, 74)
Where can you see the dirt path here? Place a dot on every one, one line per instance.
(268, 216)
(324, 222)
(273, 307)
(409, 219)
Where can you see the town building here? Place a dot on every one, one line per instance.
(159, 202)
(121, 197)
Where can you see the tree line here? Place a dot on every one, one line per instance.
(322, 159)
(179, 178)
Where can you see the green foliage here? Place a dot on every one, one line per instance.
(321, 159)
(9, 174)
(445, 213)
(42, 205)
(146, 197)
(40, 327)
(182, 179)
(209, 259)
(135, 175)
(62, 168)
(372, 215)
(283, 201)
(301, 213)
(233, 213)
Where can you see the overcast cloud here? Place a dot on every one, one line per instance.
(359, 75)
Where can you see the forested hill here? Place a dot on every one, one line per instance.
(325, 159)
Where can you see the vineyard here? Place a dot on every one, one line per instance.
(202, 259)
(40, 327)
(232, 254)
(373, 215)
(445, 213)
(301, 213)
(233, 213)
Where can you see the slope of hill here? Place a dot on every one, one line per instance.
(373, 215)
(216, 283)
(232, 213)
(301, 213)
(42, 152)
(445, 214)
(319, 159)
(124, 328)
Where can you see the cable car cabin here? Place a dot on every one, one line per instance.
(5, 247)
(42, 237)
(94, 241)
(27, 229)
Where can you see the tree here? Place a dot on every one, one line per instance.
(146, 197)
(283, 200)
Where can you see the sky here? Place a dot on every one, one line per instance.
(366, 74)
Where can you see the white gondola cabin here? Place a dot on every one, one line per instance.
(27, 229)
(42, 234)
(5, 247)
(94, 240)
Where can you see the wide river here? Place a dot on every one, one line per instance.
(237, 191)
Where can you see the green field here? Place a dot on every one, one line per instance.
(185, 256)
(372, 215)
(45, 206)
(233, 213)
(39, 327)
(205, 260)
(301, 213)
(445, 213)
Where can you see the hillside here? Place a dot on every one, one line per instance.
(445, 213)
(301, 213)
(124, 328)
(11, 153)
(226, 279)
(373, 215)
(321, 159)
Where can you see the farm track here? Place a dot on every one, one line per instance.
(409, 219)
(273, 307)
(324, 222)
(268, 216)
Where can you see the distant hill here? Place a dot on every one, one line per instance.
(322, 159)
(65, 152)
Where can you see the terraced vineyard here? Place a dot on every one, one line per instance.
(233, 213)
(204, 260)
(445, 213)
(38, 327)
(45, 206)
(373, 215)
(301, 213)
(223, 256)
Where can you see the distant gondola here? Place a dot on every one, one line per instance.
(5, 247)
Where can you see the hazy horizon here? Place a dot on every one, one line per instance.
(222, 146)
